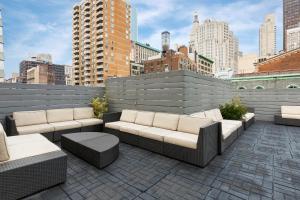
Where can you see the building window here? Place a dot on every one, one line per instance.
(259, 87)
(292, 86)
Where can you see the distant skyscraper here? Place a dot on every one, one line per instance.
(1, 50)
(267, 37)
(134, 24)
(165, 41)
(214, 40)
(101, 41)
(293, 38)
(291, 17)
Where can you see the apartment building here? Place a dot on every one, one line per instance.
(267, 37)
(1, 50)
(291, 18)
(101, 41)
(45, 62)
(247, 63)
(141, 52)
(214, 40)
(293, 38)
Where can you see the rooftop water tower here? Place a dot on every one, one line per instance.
(165, 40)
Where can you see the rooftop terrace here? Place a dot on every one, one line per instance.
(264, 163)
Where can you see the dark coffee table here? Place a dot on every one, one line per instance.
(98, 149)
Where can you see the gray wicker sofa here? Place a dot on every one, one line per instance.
(230, 129)
(33, 164)
(189, 139)
(249, 118)
(290, 116)
(53, 123)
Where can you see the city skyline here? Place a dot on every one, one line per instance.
(29, 29)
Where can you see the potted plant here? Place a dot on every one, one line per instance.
(100, 106)
(233, 110)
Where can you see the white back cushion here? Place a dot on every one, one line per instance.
(192, 125)
(83, 113)
(211, 114)
(166, 121)
(144, 118)
(218, 115)
(128, 116)
(291, 110)
(26, 118)
(60, 115)
(4, 155)
(199, 114)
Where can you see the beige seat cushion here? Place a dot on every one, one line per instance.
(60, 115)
(166, 121)
(59, 126)
(133, 128)
(248, 116)
(290, 116)
(227, 130)
(234, 122)
(218, 115)
(90, 122)
(182, 139)
(23, 147)
(83, 113)
(290, 112)
(116, 125)
(4, 154)
(211, 114)
(26, 118)
(155, 133)
(199, 114)
(41, 128)
(192, 124)
(144, 118)
(128, 116)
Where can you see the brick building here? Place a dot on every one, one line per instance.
(172, 60)
(289, 61)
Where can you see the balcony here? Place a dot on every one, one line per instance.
(261, 162)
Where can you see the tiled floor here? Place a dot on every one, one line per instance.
(262, 164)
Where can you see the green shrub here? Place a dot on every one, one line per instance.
(100, 106)
(233, 110)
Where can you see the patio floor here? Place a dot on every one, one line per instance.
(264, 163)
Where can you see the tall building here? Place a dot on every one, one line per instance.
(291, 17)
(214, 40)
(165, 41)
(293, 38)
(267, 37)
(101, 41)
(141, 52)
(134, 31)
(42, 63)
(69, 73)
(1, 50)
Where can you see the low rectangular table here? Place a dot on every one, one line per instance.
(98, 149)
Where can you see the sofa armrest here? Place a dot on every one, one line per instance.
(11, 126)
(208, 142)
(111, 117)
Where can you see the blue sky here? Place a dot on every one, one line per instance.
(45, 26)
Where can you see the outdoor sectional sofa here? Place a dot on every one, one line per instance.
(29, 164)
(189, 139)
(230, 129)
(53, 123)
(290, 115)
